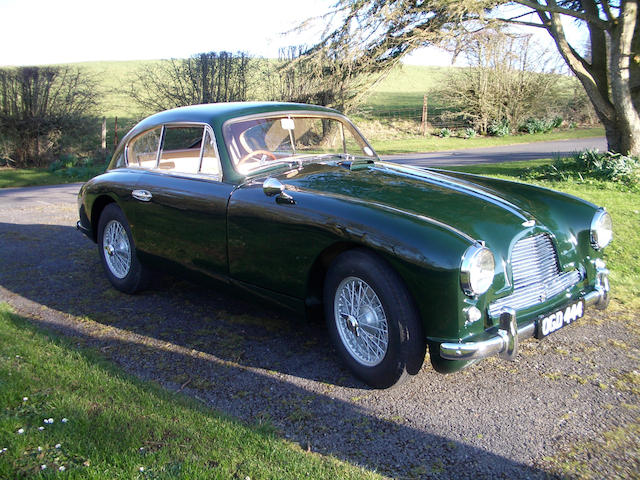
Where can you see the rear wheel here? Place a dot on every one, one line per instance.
(372, 320)
(118, 253)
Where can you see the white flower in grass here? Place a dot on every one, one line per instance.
(24, 399)
(42, 467)
(141, 469)
(39, 449)
(64, 420)
(3, 450)
(40, 428)
(58, 445)
(62, 468)
(20, 431)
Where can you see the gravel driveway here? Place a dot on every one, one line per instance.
(493, 420)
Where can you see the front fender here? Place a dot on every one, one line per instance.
(274, 245)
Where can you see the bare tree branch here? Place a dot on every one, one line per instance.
(552, 7)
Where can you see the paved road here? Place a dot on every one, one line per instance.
(507, 153)
(493, 420)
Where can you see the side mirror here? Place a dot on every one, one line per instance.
(273, 186)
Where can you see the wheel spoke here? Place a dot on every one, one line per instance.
(117, 250)
(361, 321)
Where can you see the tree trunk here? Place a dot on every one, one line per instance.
(617, 111)
(627, 118)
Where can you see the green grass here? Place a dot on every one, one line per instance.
(431, 143)
(31, 177)
(121, 427)
(623, 205)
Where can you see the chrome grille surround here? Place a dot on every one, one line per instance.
(536, 275)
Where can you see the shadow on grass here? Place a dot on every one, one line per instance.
(253, 362)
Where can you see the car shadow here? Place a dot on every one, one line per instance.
(254, 362)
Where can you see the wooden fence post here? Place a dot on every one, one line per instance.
(423, 124)
(115, 137)
(104, 134)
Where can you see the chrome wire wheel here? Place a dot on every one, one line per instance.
(116, 249)
(361, 321)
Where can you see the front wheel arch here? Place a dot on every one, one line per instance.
(98, 206)
(405, 347)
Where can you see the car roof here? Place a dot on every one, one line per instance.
(216, 114)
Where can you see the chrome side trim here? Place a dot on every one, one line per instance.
(505, 342)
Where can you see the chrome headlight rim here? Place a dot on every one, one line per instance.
(469, 273)
(601, 230)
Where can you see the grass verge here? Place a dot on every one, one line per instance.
(33, 177)
(432, 143)
(106, 424)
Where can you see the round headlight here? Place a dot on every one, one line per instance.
(476, 271)
(601, 229)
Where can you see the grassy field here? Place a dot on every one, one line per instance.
(106, 424)
(32, 177)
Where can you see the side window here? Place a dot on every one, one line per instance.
(210, 163)
(181, 149)
(143, 150)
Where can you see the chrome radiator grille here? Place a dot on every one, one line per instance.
(536, 275)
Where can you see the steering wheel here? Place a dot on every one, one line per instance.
(254, 153)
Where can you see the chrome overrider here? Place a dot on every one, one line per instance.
(505, 342)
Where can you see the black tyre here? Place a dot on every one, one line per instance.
(118, 253)
(372, 319)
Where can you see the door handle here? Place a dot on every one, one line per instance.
(142, 195)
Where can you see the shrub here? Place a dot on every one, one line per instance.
(536, 125)
(469, 132)
(591, 165)
(43, 110)
(608, 166)
(500, 129)
(70, 166)
(445, 132)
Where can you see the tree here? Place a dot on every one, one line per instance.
(39, 107)
(319, 79)
(384, 31)
(499, 86)
(202, 78)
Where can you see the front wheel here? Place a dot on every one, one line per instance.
(372, 319)
(118, 253)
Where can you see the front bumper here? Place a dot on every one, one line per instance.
(505, 342)
(87, 231)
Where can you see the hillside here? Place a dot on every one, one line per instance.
(402, 89)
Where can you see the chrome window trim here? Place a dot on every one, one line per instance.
(198, 174)
(126, 149)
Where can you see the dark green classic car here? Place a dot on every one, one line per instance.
(290, 202)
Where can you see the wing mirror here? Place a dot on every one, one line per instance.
(273, 186)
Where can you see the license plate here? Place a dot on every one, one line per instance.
(558, 319)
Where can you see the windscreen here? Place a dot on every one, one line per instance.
(257, 141)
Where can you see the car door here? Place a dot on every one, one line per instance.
(273, 243)
(182, 202)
